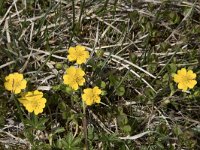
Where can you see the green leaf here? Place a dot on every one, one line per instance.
(113, 80)
(62, 106)
(174, 18)
(69, 90)
(120, 91)
(109, 137)
(171, 85)
(41, 124)
(100, 53)
(103, 85)
(59, 66)
(159, 145)
(177, 130)
(126, 128)
(103, 93)
(59, 130)
(71, 143)
(122, 119)
(173, 68)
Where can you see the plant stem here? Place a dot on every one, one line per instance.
(85, 126)
(18, 108)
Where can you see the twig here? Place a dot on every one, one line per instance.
(4, 17)
(137, 136)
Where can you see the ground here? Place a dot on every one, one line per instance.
(135, 47)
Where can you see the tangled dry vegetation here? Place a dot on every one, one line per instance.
(135, 46)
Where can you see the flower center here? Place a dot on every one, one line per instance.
(15, 84)
(185, 79)
(35, 105)
(93, 97)
(77, 78)
(80, 54)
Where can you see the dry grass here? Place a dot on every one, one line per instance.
(139, 42)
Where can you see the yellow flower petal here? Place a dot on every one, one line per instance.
(38, 94)
(17, 91)
(182, 86)
(72, 54)
(86, 54)
(22, 100)
(18, 76)
(191, 75)
(72, 50)
(91, 96)
(185, 79)
(81, 81)
(89, 103)
(74, 86)
(74, 77)
(37, 111)
(87, 91)
(23, 84)
(71, 71)
(29, 107)
(177, 78)
(97, 99)
(29, 96)
(15, 83)
(80, 72)
(80, 48)
(43, 102)
(84, 97)
(191, 83)
(9, 77)
(8, 86)
(71, 57)
(96, 90)
(67, 79)
(32, 96)
(33, 101)
(78, 54)
(80, 61)
(182, 72)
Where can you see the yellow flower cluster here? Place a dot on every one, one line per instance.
(15, 83)
(32, 101)
(74, 77)
(91, 96)
(185, 79)
(78, 54)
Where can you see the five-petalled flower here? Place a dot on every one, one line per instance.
(78, 54)
(74, 77)
(33, 101)
(15, 82)
(91, 95)
(185, 79)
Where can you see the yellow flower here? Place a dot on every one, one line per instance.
(91, 96)
(15, 82)
(33, 101)
(74, 77)
(185, 79)
(78, 54)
